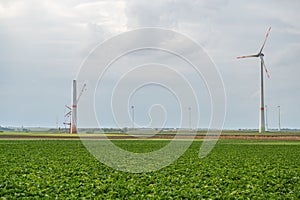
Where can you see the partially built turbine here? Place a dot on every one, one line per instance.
(73, 128)
(73, 109)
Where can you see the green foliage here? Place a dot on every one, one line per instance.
(234, 170)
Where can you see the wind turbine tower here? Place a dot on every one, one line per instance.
(73, 128)
(262, 67)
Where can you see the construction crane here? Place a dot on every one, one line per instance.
(81, 92)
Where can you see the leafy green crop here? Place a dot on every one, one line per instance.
(235, 169)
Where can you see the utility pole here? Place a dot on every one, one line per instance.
(279, 125)
(132, 110)
(190, 118)
(267, 127)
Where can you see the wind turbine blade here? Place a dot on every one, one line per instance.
(69, 113)
(266, 70)
(249, 56)
(267, 35)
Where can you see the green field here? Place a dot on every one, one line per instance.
(241, 169)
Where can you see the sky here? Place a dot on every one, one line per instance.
(45, 43)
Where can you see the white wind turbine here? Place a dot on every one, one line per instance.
(262, 65)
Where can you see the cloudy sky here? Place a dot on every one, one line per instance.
(44, 43)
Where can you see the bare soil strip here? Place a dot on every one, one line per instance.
(123, 137)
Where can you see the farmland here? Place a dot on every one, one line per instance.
(254, 169)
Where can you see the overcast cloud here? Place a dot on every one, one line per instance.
(43, 44)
